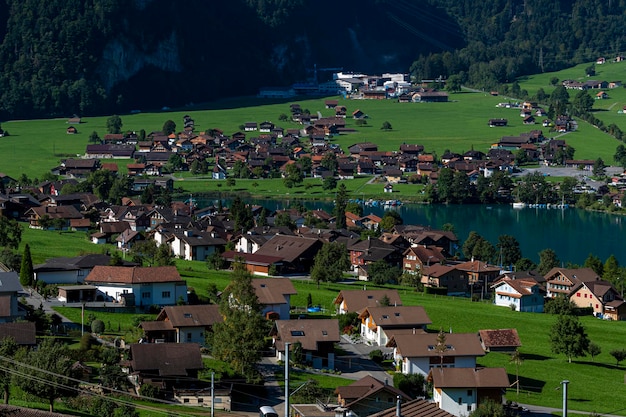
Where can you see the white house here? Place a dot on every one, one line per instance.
(377, 323)
(275, 296)
(519, 294)
(460, 390)
(160, 285)
(420, 352)
(194, 245)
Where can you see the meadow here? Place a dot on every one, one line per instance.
(36, 146)
(596, 385)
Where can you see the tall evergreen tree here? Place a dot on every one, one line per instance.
(27, 274)
(341, 201)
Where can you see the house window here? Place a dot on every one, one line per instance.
(469, 392)
(165, 294)
(186, 400)
(578, 295)
(460, 400)
(597, 306)
(469, 407)
(585, 296)
(189, 337)
(200, 400)
(145, 295)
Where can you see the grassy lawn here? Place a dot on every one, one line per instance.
(36, 146)
(46, 244)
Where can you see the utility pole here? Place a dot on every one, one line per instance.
(212, 394)
(287, 379)
(564, 383)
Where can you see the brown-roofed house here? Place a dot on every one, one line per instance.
(368, 395)
(376, 322)
(499, 340)
(297, 252)
(182, 324)
(349, 301)
(148, 285)
(317, 338)
(419, 353)
(460, 391)
(275, 296)
(414, 408)
(560, 281)
(165, 363)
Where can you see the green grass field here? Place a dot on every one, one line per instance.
(36, 146)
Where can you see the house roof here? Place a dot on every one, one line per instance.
(580, 274)
(309, 332)
(15, 411)
(469, 378)
(251, 258)
(499, 338)
(273, 290)
(10, 282)
(397, 316)
(364, 388)
(357, 300)
(133, 275)
(421, 345)
(71, 264)
(23, 333)
(191, 315)
(289, 248)
(415, 408)
(169, 359)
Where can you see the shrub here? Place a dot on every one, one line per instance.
(377, 356)
(97, 326)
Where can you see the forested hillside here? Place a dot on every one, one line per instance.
(509, 38)
(90, 57)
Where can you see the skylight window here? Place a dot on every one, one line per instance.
(297, 333)
(187, 315)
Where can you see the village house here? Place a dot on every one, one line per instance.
(182, 324)
(600, 296)
(140, 286)
(460, 391)
(519, 294)
(561, 281)
(317, 337)
(445, 276)
(164, 365)
(296, 252)
(349, 301)
(69, 270)
(414, 408)
(10, 291)
(368, 395)
(378, 324)
(418, 353)
(274, 295)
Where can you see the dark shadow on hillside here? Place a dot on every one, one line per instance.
(598, 110)
(535, 357)
(599, 365)
(579, 400)
(528, 384)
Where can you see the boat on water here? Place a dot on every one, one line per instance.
(519, 205)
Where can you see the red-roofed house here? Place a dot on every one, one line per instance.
(368, 395)
(145, 286)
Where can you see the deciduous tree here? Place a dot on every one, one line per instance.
(114, 124)
(46, 372)
(341, 201)
(330, 262)
(547, 261)
(568, 336)
(239, 339)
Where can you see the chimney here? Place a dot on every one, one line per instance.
(386, 382)
(398, 407)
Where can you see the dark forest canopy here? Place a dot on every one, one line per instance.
(87, 57)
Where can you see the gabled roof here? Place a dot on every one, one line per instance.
(364, 388)
(469, 378)
(500, 338)
(273, 290)
(191, 315)
(134, 275)
(357, 300)
(309, 332)
(580, 274)
(167, 359)
(289, 248)
(71, 264)
(421, 345)
(397, 316)
(10, 282)
(415, 408)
